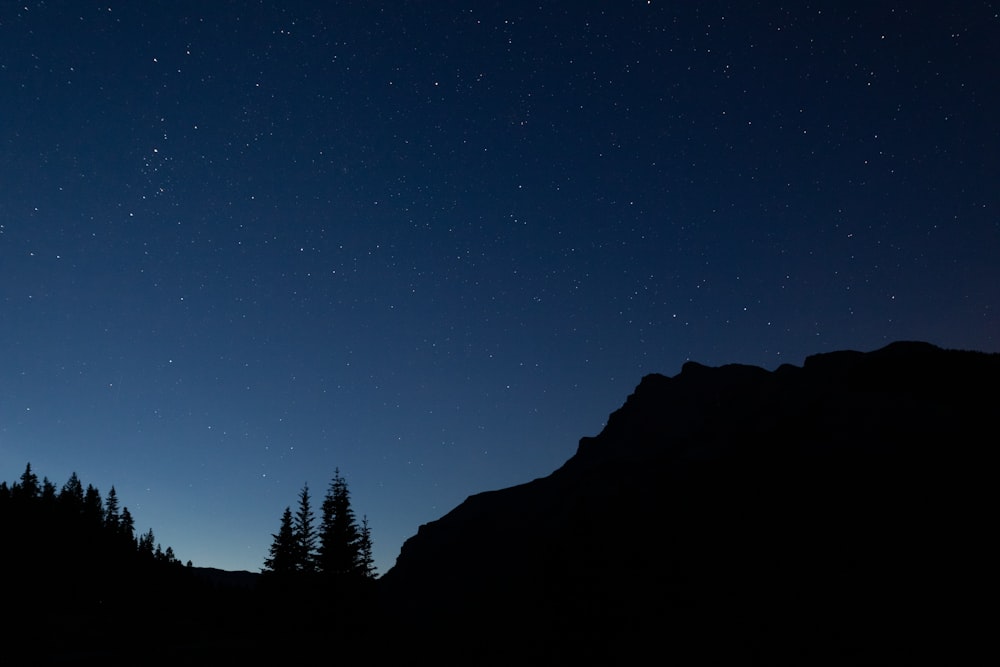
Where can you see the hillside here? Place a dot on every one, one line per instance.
(817, 513)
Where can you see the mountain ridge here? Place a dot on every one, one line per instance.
(702, 482)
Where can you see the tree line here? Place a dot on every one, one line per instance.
(338, 549)
(96, 585)
(31, 504)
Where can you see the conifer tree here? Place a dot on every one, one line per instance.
(28, 488)
(126, 525)
(281, 558)
(146, 542)
(339, 536)
(111, 516)
(48, 492)
(71, 494)
(366, 561)
(93, 506)
(305, 534)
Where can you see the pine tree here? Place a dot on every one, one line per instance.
(281, 558)
(71, 494)
(366, 561)
(93, 506)
(169, 556)
(305, 534)
(339, 536)
(146, 542)
(111, 516)
(126, 525)
(28, 488)
(48, 492)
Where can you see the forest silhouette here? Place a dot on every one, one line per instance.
(96, 589)
(832, 513)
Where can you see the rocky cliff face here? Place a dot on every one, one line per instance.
(726, 513)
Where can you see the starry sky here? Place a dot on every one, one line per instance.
(433, 244)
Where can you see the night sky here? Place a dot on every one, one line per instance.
(433, 244)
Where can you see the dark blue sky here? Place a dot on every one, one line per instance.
(435, 243)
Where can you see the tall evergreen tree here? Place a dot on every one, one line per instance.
(125, 525)
(282, 554)
(71, 494)
(111, 516)
(93, 506)
(366, 559)
(168, 556)
(146, 542)
(48, 492)
(28, 488)
(305, 534)
(339, 536)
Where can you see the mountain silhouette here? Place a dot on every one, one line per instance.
(830, 513)
(835, 513)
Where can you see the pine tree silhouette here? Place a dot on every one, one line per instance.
(281, 556)
(28, 489)
(339, 551)
(71, 495)
(93, 506)
(366, 560)
(146, 542)
(111, 516)
(305, 534)
(125, 526)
